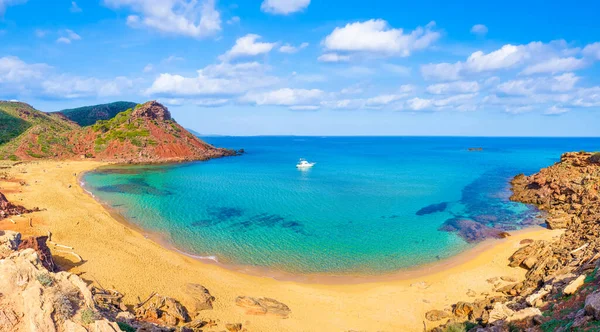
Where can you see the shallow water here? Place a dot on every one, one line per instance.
(370, 205)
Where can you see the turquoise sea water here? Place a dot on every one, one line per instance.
(355, 212)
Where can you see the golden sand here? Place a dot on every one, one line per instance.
(118, 256)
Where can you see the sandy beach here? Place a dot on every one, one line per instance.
(119, 256)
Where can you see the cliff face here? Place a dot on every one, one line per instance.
(561, 290)
(146, 133)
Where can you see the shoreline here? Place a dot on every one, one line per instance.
(119, 256)
(322, 278)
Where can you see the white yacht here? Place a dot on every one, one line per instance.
(304, 164)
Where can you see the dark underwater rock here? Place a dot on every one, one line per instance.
(433, 208)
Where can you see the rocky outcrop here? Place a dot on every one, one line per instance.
(568, 195)
(200, 297)
(263, 306)
(8, 209)
(151, 110)
(162, 310)
(39, 245)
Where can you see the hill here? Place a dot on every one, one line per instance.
(88, 115)
(146, 133)
(28, 133)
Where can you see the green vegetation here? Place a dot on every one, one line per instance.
(88, 115)
(42, 134)
(63, 308)
(88, 316)
(11, 127)
(122, 128)
(125, 327)
(45, 279)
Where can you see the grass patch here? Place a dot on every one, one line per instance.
(88, 316)
(45, 279)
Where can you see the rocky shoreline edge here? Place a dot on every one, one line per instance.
(561, 290)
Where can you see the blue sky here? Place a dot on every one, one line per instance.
(309, 67)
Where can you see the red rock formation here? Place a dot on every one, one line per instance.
(39, 245)
(9, 209)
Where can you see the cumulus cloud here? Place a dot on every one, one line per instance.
(458, 87)
(479, 29)
(222, 79)
(592, 51)
(376, 36)
(247, 46)
(284, 7)
(538, 57)
(285, 97)
(68, 36)
(190, 18)
(561, 83)
(555, 65)
(287, 48)
(21, 78)
(333, 57)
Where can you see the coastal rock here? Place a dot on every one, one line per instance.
(8, 209)
(233, 327)
(201, 298)
(105, 326)
(463, 309)
(9, 242)
(527, 313)
(436, 315)
(39, 245)
(433, 208)
(574, 285)
(162, 310)
(471, 230)
(538, 296)
(263, 306)
(500, 312)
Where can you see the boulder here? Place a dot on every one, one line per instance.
(436, 315)
(151, 110)
(500, 312)
(9, 242)
(233, 327)
(526, 313)
(39, 245)
(263, 306)
(162, 310)
(592, 305)
(533, 299)
(463, 309)
(201, 298)
(574, 285)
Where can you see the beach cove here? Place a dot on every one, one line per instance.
(119, 256)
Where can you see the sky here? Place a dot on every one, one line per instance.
(315, 67)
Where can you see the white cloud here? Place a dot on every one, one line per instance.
(214, 80)
(63, 40)
(479, 29)
(376, 36)
(285, 97)
(172, 58)
(562, 83)
(148, 68)
(19, 77)
(75, 8)
(6, 3)
(68, 36)
(190, 18)
(442, 71)
(592, 50)
(284, 7)
(287, 48)
(555, 65)
(247, 46)
(462, 102)
(457, 87)
(333, 57)
(234, 20)
(537, 56)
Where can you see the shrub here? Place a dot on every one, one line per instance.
(595, 158)
(45, 279)
(88, 316)
(63, 308)
(455, 327)
(125, 327)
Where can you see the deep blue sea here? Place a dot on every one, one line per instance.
(355, 212)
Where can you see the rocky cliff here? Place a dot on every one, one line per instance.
(561, 290)
(144, 134)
